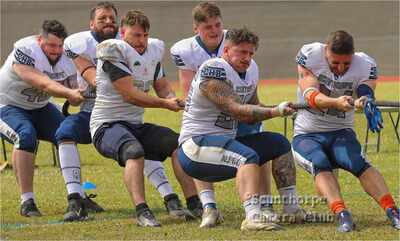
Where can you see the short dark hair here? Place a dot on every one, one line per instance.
(133, 17)
(101, 5)
(238, 36)
(340, 42)
(54, 27)
(205, 10)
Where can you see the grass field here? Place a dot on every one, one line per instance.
(117, 222)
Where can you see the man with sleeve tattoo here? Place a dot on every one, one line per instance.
(330, 75)
(126, 70)
(221, 95)
(188, 54)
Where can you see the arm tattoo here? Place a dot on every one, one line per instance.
(222, 94)
(284, 170)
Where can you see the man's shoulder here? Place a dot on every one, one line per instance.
(156, 45)
(184, 46)
(312, 48)
(311, 55)
(79, 43)
(364, 58)
(365, 66)
(29, 42)
(115, 50)
(216, 61)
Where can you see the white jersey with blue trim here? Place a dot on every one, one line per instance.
(83, 44)
(312, 57)
(145, 70)
(203, 117)
(17, 92)
(190, 53)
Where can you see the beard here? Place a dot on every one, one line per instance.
(53, 62)
(104, 35)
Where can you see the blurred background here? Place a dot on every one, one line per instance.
(283, 26)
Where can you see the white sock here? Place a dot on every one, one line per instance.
(26, 196)
(289, 199)
(252, 206)
(207, 198)
(266, 201)
(155, 172)
(71, 167)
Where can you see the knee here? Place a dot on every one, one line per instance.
(130, 150)
(321, 163)
(27, 141)
(168, 145)
(64, 133)
(284, 146)
(252, 158)
(359, 167)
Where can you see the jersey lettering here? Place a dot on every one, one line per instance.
(35, 95)
(209, 72)
(225, 121)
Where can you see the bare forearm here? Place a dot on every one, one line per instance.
(322, 101)
(252, 113)
(144, 100)
(41, 81)
(87, 69)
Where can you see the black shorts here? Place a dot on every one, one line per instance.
(158, 142)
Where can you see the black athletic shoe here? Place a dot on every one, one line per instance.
(90, 205)
(76, 211)
(195, 208)
(345, 221)
(29, 209)
(174, 206)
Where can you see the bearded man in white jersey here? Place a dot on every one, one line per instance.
(81, 48)
(35, 70)
(223, 93)
(126, 70)
(188, 55)
(331, 75)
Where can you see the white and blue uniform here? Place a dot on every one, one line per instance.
(115, 122)
(330, 129)
(76, 126)
(25, 112)
(190, 53)
(208, 148)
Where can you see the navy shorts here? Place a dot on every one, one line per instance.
(157, 142)
(324, 151)
(75, 128)
(217, 158)
(24, 128)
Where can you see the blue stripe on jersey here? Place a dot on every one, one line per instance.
(71, 54)
(23, 58)
(301, 59)
(178, 60)
(373, 74)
